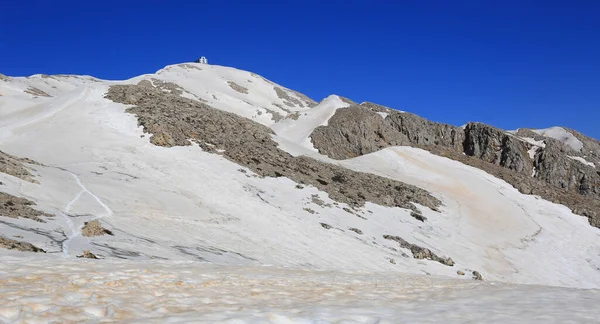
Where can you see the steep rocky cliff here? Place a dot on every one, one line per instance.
(533, 163)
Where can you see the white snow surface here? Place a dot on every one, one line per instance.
(562, 135)
(209, 220)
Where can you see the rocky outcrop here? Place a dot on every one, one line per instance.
(15, 166)
(36, 92)
(544, 166)
(88, 255)
(555, 166)
(93, 228)
(495, 146)
(359, 130)
(11, 244)
(419, 252)
(356, 230)
(237, 87)
(326, 226)
(290, 101)
(176, 121)
(362, 133)
(15, 207)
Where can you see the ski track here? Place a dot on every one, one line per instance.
(75, 231)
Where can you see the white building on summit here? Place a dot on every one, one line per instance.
(203, 60)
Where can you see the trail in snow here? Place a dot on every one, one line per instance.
(72, 227)
(76, 231)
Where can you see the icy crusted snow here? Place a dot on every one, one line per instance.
(186, 292)
(562, 135)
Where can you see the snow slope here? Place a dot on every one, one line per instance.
(183, 204)
(489, 225)
(180, 203)
(212, 85)
(562, 135)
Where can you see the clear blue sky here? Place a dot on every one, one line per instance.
(508, 63)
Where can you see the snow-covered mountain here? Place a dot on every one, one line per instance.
(218, 170)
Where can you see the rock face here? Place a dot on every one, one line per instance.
(555, 167)
(495, 146)
(419, 252)
(359, 130)
(93, 228)
(174, 121)
(15, 207)
(11, 244)
(532, 163)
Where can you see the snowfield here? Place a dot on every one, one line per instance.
(197, 238)
(184, 292)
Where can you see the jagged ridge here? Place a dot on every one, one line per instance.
(360, 129)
